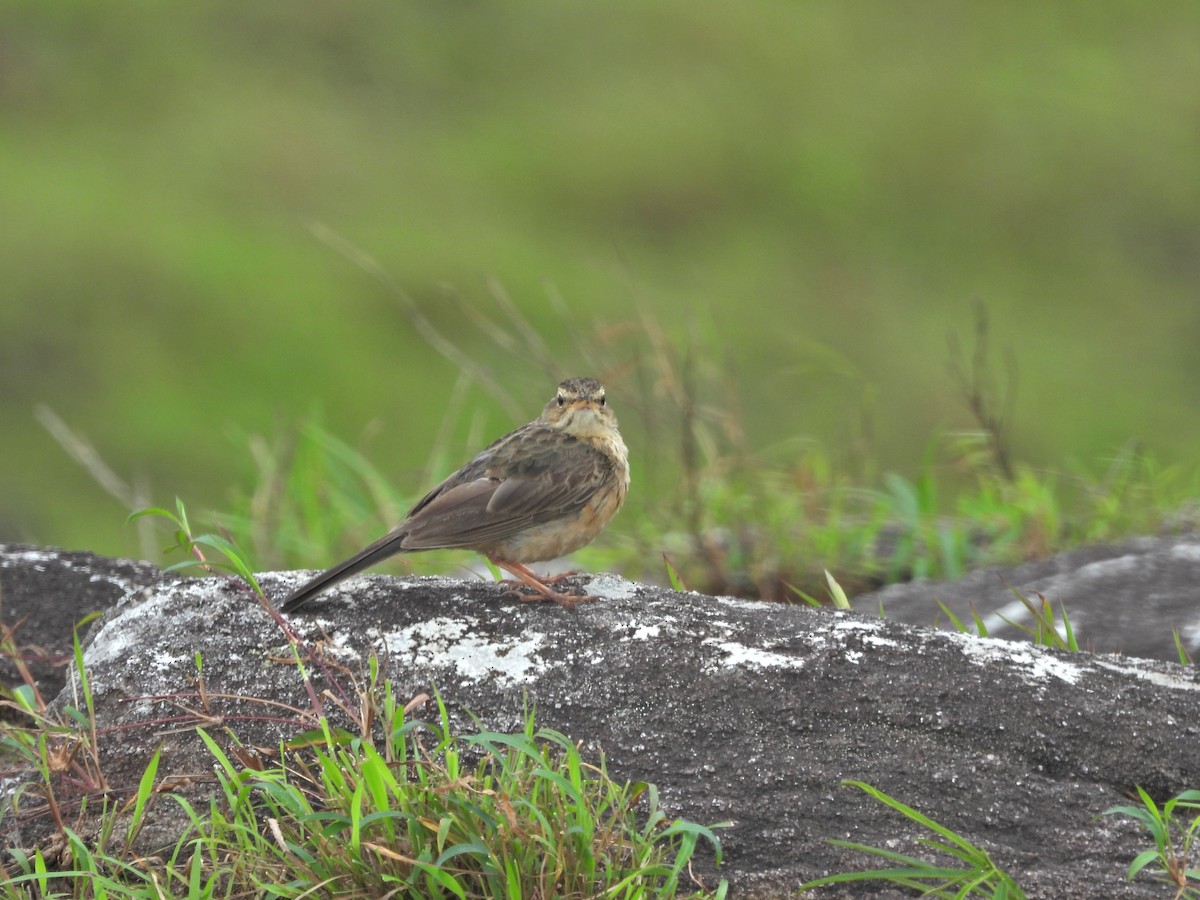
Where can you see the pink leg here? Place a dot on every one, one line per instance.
(527, 578)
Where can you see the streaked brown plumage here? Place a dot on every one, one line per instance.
(537, 493)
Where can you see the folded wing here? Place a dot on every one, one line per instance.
(492, 501)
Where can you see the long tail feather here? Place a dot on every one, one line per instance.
(386, 546)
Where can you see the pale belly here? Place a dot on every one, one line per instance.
(557, 539)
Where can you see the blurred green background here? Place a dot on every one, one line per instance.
(806, 197)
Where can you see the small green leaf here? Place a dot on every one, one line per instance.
(1184, 657)
(1140, 862)
(672, 575)
(145, 787)
(840, 601)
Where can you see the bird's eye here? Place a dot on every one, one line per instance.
(602, 400)
(562, 401)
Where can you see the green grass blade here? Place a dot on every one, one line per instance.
(840, 600)
(672, 575)
(1140, 862)
(914, 815)
(145, 787)
(1068, 632)
(980, 627)
(949, 614)
(1185, 658)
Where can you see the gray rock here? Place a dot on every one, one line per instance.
(740, 711)
(45, 592)
(1122, 598)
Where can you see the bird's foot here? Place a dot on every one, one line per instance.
(560, 577)
(565, 600)
(524, 578)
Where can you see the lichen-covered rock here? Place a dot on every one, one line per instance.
(740, 711)
(1120, 598)
(45, 592)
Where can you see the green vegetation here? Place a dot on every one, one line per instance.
(810, 195)
(193, 545)
(743, 521)
(398, 807)
(1172, 858)
(975, 875)
(1048, 629)
(781, 525)
(395, 807)
(775, 526)
(297, 280)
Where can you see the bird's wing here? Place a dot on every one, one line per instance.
(493, 497)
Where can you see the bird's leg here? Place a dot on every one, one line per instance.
(527, 578)
(555, 579)
(542, 579)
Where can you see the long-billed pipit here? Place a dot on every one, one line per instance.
(537, 493)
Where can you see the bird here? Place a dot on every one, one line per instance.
(540, 492)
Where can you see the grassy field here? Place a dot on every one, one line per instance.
(758, 224)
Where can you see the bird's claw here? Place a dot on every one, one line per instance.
(535, 596)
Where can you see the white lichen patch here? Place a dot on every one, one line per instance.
(121, 638)
(610, 587)
(644, 633)
(446, 641)
(111, 642)
(753, 657)
(875, 640)
(164, 662)
(118, 636)
(738, 603)
(869, 630)
(1033, 665)
(855, 625)
(11, 559)
(1162, 679)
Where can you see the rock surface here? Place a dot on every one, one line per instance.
(747, 712)
(44, 592)
(1120, 598)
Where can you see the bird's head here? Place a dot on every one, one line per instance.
(580, 409)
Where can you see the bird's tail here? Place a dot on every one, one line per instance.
(386, 546)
